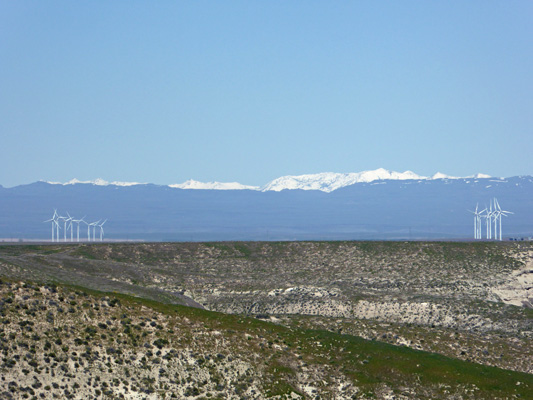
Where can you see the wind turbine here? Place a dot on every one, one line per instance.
(58, 219)
(88, 231)
(487, 216)
(94, 224)
(479, 226)
(70, 219)
(54, 222)
(77, 221)
(500, 214)
(489, 221)
(65, 220)
(495, 216)
(102, 230)
(477, 222)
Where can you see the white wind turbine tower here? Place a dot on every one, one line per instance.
(70, 219)
(65, 220)
(487, 217)
(88, 231)
(65, 232)
(102, 230)
(70, 228)
(495, 216)
(477, 222)
(500, 214)
(54, 222)
(77, 221)
(490, 214)
(94, 224)
(479, 225)
(57, 228)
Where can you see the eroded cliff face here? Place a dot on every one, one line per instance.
(430, 284)
(518, 288)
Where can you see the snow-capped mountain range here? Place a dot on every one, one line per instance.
(325, 182)
(369, 205)
(330, 181)
(192, 184)
(96, 182)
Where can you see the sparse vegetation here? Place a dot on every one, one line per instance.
(300, 320)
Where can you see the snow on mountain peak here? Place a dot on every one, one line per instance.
(330, 181)
(96, 182)
(440, 175)
(325, 181)
(192, 184)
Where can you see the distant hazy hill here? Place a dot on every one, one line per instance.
(396, 208)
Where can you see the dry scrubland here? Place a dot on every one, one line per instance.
(293, 319)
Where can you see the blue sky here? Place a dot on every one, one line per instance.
(249, 91)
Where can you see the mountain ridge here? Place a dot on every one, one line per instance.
(385, 209)
(324, 181)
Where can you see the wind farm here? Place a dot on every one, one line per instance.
(68, 225)
(492, 217)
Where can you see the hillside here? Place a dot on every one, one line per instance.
(468, 302)
(69, 343)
